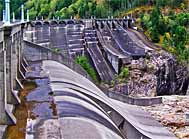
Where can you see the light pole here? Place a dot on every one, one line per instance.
(4, 16)
(28, 17)
(13, 17)
(22, 13)
(7, 12)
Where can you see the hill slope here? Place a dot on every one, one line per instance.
(82, 8)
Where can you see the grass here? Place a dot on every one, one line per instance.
(83, 62)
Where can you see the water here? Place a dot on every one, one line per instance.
(21, 114)
(36, 102)
(36, 99)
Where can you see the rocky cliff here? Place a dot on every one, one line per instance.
(172, 79)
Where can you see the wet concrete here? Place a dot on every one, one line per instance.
(33, 71)
(21, 113)
(41, 93)
(36, 103)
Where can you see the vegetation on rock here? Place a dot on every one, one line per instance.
(83, 61)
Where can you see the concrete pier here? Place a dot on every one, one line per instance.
(6, 117)
(10, 57)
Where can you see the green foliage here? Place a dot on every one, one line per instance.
(82, 60)
(56, 50)
(162, 28)
(165, 42)
(155, 24)
(145, 21)
(155, 16)
(124, 73)
(183, 19)
(171, 3)
(82, 8)
(155, 36)
(180, 35)
(101, 11)
(172, 27)
(112, 83)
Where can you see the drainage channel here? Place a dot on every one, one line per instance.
(21, 113)
(36, 103)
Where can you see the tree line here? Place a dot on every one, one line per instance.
(79, 8)
(171, 30)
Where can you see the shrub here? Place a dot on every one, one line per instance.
(83, 61)
(155, 35)
(124, 73)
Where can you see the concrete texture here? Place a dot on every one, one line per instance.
(137, 122)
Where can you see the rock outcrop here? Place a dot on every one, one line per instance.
(172, 79)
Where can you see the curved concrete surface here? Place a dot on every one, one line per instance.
(73, 107)
(62, 77)
(83, 128)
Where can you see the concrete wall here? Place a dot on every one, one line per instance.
(131, 133)
(34, 52)
(2, 78)
(114, 60)
(125, 127)
(127, 130)
(135, 101)
(10, 60)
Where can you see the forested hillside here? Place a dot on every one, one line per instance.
(81, 8)
(169, 30)
(164, 21)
